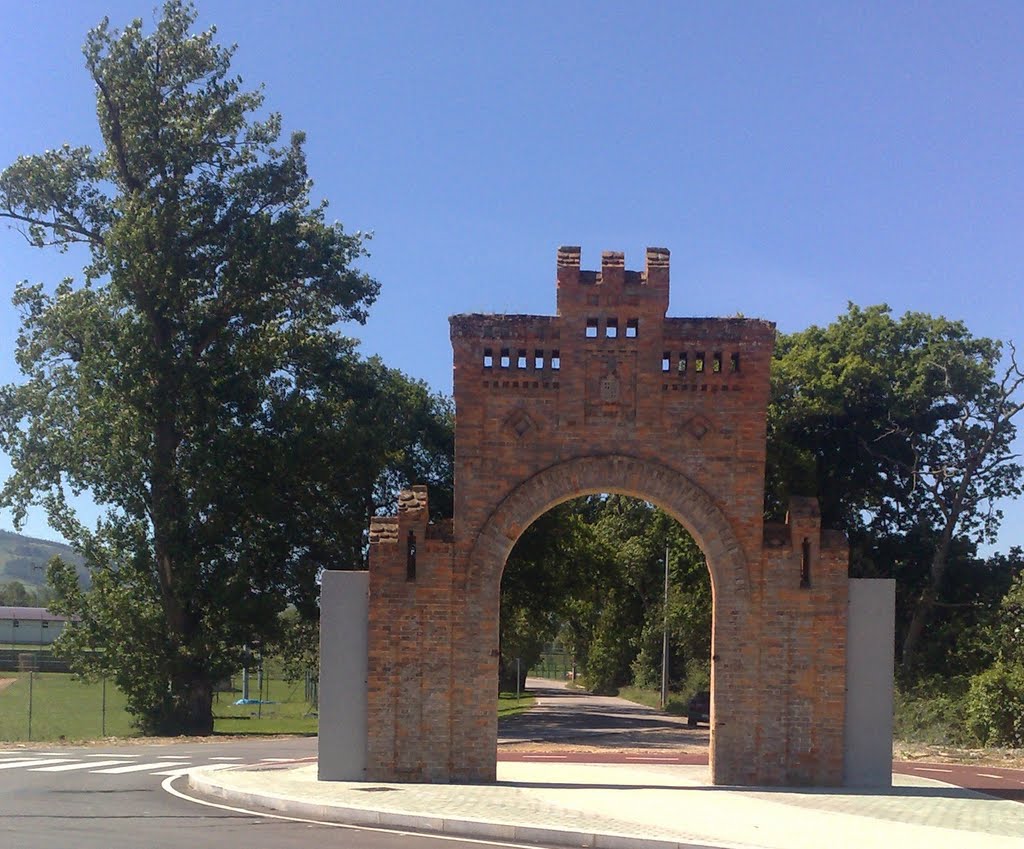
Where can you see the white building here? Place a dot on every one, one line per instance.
(32, 626)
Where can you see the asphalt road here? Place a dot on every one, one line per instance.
(116, 797)
(564, 717)
(111, 797)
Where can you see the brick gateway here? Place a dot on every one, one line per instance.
(610, 395)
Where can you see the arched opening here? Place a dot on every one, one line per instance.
(679, 498)
(617, 474)
(605, 594)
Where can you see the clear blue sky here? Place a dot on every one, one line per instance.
(792, 156)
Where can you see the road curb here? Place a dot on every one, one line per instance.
(206, 784)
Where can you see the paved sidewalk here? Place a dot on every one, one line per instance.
(615, 805)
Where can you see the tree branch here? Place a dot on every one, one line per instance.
(117, 137)
(75, 226)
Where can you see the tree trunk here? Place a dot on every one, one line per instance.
(190, 707)
(918, 622)
(926, 603)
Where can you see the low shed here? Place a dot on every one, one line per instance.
(29, 626)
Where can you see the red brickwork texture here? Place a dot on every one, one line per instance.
(609, 395)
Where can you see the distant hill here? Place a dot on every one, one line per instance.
(24, 559)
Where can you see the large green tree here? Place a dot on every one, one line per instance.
(195, 383)
(904, 428)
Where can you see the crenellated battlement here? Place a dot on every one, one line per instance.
(413, 515)
(613, 285)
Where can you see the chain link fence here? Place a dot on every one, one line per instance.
(555, 663)
(40, 699)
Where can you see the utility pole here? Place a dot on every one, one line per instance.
(664, 641)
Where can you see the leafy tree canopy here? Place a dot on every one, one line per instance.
(904, 429)
(196, 382)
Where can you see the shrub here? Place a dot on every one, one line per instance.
(933, 712)
(995, 705)
(603, 673)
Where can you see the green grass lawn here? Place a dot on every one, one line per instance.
(677, 702)
(64, 708)
(61, 707)
(509, 705)
(285, 711)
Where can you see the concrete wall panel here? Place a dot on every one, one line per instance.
(344, 612)
(869, 688)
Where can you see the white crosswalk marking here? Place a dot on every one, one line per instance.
(32, 762)
(117, 763)
(71, 767)
(119, 770)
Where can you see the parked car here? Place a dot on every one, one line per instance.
(699, 708)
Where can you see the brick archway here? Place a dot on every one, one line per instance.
(670, 490)
(609, 394)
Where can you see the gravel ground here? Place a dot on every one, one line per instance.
(1013, 758)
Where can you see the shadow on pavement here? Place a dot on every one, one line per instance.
(892, 792)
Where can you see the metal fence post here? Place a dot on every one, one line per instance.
(31, 675)
(259, 707)
(103, 710)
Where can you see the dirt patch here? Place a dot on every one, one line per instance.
(1012, 758)
(6, 682)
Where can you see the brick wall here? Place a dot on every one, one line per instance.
(609, 395)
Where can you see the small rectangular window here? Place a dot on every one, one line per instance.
(698, 362)
(488, 358)
(504, 358)
(716, 362)
(591, 328)
(556, 360)
(734, 363)
(521, 358)
(683, 361)
(46, 624)
(538, 359)
(632, 328)
(666, 361)
(611, 328)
